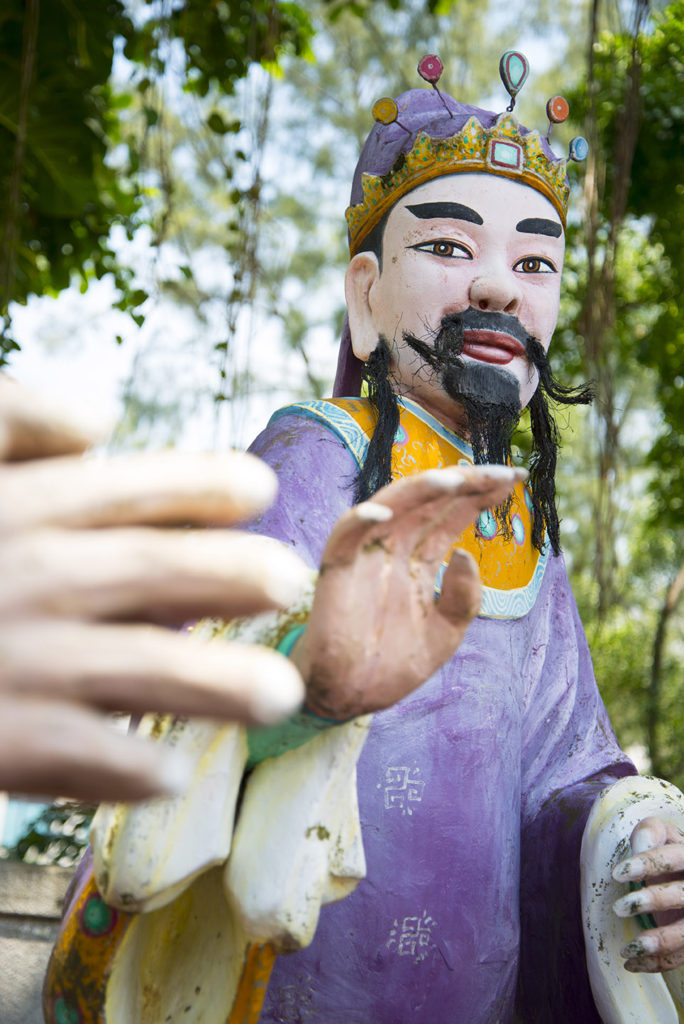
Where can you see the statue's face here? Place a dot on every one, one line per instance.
(465, 240)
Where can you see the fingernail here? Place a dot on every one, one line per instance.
(460, 555)
(279, 695)
(633, 903)
(500, 472)
(506, 473)
(642, 946)
(643, 841)
(258, 481)
(173, 772)
(629, 870)
(287, 578)
(373, 512)
(247, 483)
(445, 479)
(452, 474)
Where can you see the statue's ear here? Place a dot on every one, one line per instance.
(362, 273)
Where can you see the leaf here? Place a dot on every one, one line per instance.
(216, 123)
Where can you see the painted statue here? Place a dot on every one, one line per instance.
(408, 848)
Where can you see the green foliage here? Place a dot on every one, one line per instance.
(59, 835)
(220, 40)
(59, 197)
(65, 184)
(650, 313)
(658, 193)
(621, 651)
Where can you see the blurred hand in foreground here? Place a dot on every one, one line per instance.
(93, 566)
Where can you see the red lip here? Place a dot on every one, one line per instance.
(491, 346)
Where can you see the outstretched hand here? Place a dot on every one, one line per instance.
(376, 631)
(658, 861)
(87, 575)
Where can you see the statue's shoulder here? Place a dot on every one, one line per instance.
(351, 420)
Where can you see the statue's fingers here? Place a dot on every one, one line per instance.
(654, 964)
(430, 517)
(459, 601)
(664, 860)
(663, 896)
(419, 505)
(656, 949)
(53, 748)
(146, 668)
(435, 536)
(414, 494)
(369, 522)
(166, 576)
(144, 488)
(32, 426)
(358, 527)
(650, 833)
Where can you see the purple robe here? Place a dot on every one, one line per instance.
(473, 795)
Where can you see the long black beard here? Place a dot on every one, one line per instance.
(490, 398)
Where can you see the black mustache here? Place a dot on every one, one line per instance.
(483, 320)
(447, 340)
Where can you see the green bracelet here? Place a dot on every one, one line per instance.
(273, 740)
(290, 639)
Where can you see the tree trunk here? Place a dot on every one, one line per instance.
(674, 592)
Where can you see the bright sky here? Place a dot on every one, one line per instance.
(69, 351)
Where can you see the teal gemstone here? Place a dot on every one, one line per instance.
(507, 153)
(97, 916)
(401, 436)
(486, 525)
(65, 1013)
(518, 529)
(514, 69)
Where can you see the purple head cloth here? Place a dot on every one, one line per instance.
(419, 110)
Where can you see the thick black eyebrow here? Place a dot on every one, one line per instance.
(452, 211)
(539, 226)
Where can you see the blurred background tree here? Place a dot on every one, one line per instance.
(199, 155)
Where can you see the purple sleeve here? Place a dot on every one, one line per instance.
(570, 754)
(317, 475)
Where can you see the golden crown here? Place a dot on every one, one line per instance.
(505, 149)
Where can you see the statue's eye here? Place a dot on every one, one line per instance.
(445, 249)
(534, 265)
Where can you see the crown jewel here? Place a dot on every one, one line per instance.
(506, 149)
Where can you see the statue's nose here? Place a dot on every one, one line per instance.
(495, 291)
